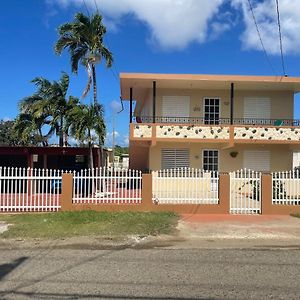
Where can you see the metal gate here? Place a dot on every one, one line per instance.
(245, 192)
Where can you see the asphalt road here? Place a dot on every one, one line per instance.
(150, 274)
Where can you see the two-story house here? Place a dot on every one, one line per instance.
(211, 122)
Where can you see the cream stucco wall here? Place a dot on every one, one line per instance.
(281, 155)
(282, 102)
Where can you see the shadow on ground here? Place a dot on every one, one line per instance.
(5, 269)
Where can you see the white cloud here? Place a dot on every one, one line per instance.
(120, 139)
(110, 134)
(173, 24)
(115, 106)
(6, 118)
(125, 141)
(265, 13)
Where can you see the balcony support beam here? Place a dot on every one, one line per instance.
(231, 103)
(130, 108)
(154, 102)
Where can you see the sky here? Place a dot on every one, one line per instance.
(149, 36)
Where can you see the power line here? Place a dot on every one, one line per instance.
(260, 38)
(113, 69)
(280, 38)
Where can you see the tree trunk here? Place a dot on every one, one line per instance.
(102, 161)
(91, 160)
(94, 84)
(61, 133)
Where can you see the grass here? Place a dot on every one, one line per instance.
(88, 223)
(296, 215)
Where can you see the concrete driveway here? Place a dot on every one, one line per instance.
(239, 230)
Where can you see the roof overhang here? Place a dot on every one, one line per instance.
(142, 81)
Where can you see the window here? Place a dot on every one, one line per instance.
(257, 160)
(211, 110)
(175, 158)
(80, 158)
(175, 109)
(257, 110)
(210, 160)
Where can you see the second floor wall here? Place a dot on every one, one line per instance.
(197, 104)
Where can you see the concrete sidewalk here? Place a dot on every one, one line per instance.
(238, 231)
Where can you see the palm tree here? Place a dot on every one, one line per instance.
(86, 125)
(49, 105)
(28, 129)
(84, 40)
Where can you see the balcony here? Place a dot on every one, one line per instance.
(219, 121)
(223, 130)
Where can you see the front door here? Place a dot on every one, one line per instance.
(211, 111)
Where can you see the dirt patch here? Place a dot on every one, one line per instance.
(94, 243)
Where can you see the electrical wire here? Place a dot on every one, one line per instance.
(260, 38)
(280, 38)
(113, 69)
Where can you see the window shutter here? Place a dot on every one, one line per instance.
(176, 106)
(257, 108)
(175, 158)
(257, 160)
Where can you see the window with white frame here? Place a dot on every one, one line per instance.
(211, 110)
(210, 160)
(172, 158)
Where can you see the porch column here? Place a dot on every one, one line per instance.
(154, 102)
(130, 110)
(29, 160)
(231, 102)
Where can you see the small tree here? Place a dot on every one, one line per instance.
(48, 106)
(8, 135)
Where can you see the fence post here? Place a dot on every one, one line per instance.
(224, 193)
(266, 193)
(67, 192)
(147, 191)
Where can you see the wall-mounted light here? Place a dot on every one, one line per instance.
(233, 154)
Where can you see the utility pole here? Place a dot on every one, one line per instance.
(113, 138)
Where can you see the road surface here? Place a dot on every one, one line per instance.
(157, 273)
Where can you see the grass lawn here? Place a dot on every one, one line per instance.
(88, 223)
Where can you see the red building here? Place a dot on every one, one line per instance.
(64, 158)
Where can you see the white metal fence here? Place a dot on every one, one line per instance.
(245, 192)
(286, 188)
(24, 189)
(185, 186)
(107, 186)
